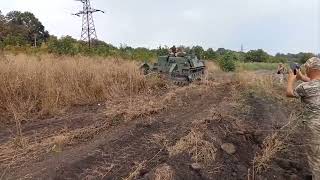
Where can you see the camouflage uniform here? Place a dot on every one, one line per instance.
(281, 74)
(310, 96)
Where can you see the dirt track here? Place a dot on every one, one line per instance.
(141, 146)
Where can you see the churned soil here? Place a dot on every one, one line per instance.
(180, 141)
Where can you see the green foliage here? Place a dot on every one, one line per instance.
(275, 59)
(198, 51)
(227, 62)
(142, 54)
(305, 56)
(25, 26)
(256, 56)
(240, 56)
(103, 49)
(161, 51)
(221, 51)
(2, 26)
(299, 58)
(65, 45)
(1, 45)
(210, 54)
(15, 40)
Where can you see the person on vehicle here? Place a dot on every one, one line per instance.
(180, 52)
(173, 51)
(309, 92)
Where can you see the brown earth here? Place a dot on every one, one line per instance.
(87, 143)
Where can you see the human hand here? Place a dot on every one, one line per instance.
(292, 77)
(302, 77)
(299, 75)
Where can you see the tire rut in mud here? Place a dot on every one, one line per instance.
(117, 156)
(136, 146)
(133, 149)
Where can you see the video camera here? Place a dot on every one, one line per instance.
(294, 67)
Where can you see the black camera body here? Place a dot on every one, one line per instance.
(294, 67)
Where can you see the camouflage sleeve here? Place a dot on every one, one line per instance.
(299, 91)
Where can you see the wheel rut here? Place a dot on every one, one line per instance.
(116, 154)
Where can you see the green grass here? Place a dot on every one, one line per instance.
(256, 66)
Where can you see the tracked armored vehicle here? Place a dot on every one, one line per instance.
(182, 70)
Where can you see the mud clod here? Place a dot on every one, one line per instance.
(229, 148)
(195, 166)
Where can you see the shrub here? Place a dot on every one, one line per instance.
(63, 46)
(227, 62)
(256, 56)
(305, 56)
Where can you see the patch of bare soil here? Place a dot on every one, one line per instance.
(204, 131)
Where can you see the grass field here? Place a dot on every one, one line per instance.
(97, 110)
(31, 85)
(256, 66)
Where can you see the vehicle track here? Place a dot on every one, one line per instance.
(115, 154)
(130, 148)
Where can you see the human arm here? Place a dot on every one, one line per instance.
(290, 87)
(302, 77)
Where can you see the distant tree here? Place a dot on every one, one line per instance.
(162, 51)
(2, 26)
(303, 57)
(66, 45)
(240, 56)
(142, 54)
(199, 51)
(221, 51)
(227, 62)
(256, 56)
(210, 54)
(96, 42)
(15, 40)
(26, 25)
(277, 59)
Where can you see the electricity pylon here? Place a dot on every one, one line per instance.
(88, 32)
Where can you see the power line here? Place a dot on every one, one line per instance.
(88, 32)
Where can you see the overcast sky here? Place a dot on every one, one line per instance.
(273, 25)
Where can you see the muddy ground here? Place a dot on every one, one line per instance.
(181, 140)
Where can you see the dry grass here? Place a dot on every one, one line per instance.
(266, 85)
(258, 81)
(134, 174)
(272, 145)
(147, 104)
(164, 172)
(43, 85)
(137, 106)
(276, 143)
(212, 67)
(194, 143)
(160, 139)
(263, 85)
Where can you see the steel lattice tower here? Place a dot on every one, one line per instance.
(88, 32)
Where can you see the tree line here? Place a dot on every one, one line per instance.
(22, 31)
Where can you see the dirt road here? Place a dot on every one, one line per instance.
(184, 140)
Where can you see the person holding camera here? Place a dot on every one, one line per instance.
(281, 71)
(309, 92)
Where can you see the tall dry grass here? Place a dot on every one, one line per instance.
(263, 84)
(31, 85)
